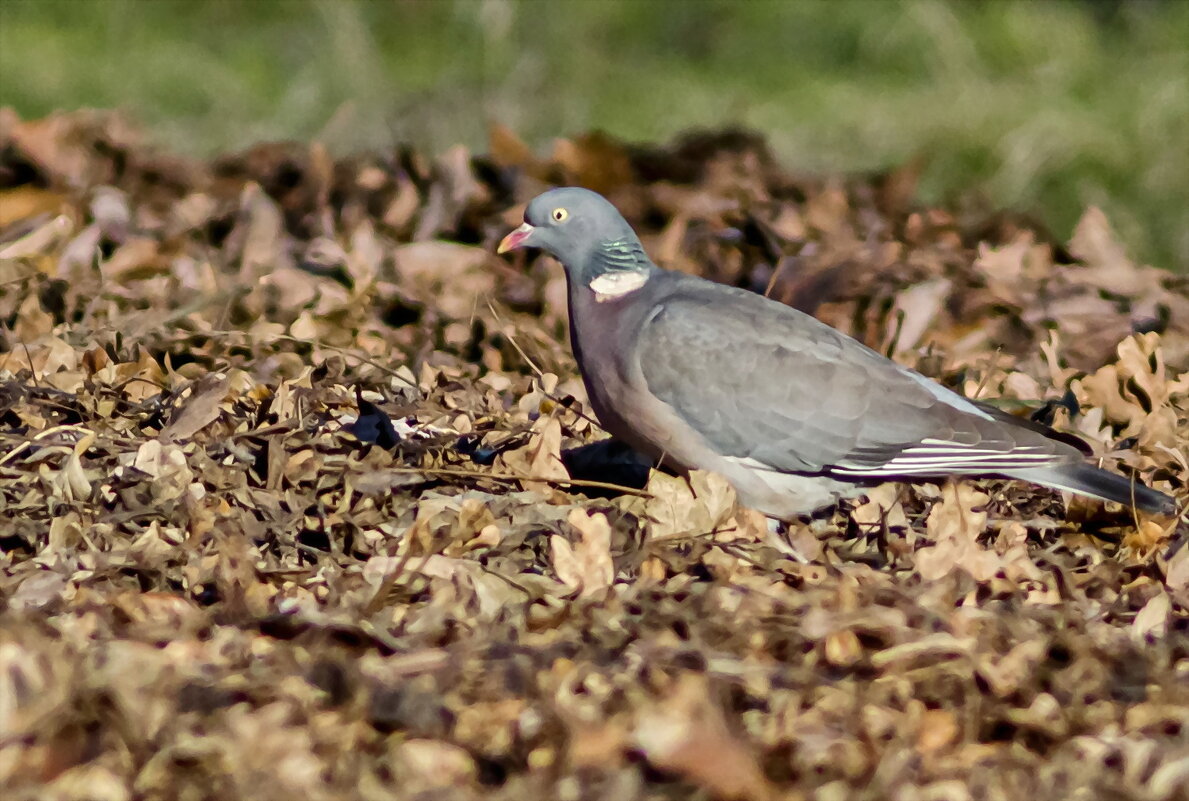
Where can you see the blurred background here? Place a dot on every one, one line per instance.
(1044, 106)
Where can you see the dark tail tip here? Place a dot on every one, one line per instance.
(1086, 479)
(1112, 487)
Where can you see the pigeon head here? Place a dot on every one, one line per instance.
(583, 231)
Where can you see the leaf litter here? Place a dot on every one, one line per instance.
(302, 497)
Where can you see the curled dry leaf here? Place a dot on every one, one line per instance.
(687, 735)
(540, 458)
(1152, 621)
(586, 566)
(954, 526)
(199, 410)
(882, 508)
(684, 506)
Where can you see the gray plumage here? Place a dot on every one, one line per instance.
(795, 414)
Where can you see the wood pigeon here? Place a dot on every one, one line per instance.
(795, 414)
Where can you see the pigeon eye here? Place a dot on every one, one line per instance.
(560, 215)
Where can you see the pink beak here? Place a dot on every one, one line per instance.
(515, 239)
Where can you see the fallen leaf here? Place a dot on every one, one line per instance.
(688, 736)
(684, 506)
(200, 409)
(585, 566)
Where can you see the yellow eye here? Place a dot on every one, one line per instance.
(560, 215)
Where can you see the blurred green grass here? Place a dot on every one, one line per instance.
(1044, 107)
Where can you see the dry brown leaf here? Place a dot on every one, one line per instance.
(586, 566)
(882, 508)
(595, 161)
(257, 603)
(953, 526)
(540, 458)
(1152, 621)
(915, 312)
(200, 409)
(687, 506)
(431, 764)
(687, 735)
(938, 729)
(509, 150)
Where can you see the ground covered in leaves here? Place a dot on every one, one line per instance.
(301, 498)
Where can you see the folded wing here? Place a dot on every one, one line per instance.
(766, 383)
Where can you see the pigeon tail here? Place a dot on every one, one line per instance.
(1094, 482)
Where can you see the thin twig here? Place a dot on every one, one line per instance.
(537, 369)
(36, 439)
(290, 338)
(32, 369)
(772, 279)
(982, 384)
(290, 425)
(20, 279)
(532, 365)
(569, 482)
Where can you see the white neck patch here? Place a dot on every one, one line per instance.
(615, 284)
